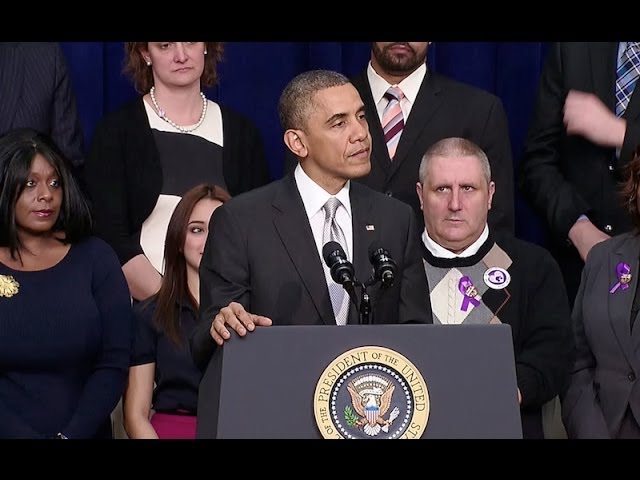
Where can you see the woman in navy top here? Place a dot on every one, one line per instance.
(163, 325)
(65, 310)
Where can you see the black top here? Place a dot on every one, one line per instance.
(186, 159)
(177, 379)
(530, 298)
(204, 160)
(124, 171)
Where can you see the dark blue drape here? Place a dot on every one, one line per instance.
(254, 73)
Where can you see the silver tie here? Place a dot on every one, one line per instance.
(333, 233)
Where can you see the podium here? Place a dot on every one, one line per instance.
(312, 382)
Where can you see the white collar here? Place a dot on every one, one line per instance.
(314, 196)
(409, 86)
(439, 251)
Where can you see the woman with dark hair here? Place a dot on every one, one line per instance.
(65, 311)
(163, 325)
(603, 398)
(148, 153)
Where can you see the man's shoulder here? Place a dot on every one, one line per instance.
(381, 202)
(254, 200)
(520, 249)
(41, 48)
(360, 80)
(465, 91)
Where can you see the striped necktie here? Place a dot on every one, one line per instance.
(627, 76)
(392, 119)
(333, 233)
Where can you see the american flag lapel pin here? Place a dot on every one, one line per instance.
(370, 228)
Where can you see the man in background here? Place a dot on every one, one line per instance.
(409, 108)
(36, 92)
(584, 128)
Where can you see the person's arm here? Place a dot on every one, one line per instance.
(581, 411)
(631, 138)
(584, 235)
(106, 180)
(545, 353)
(12, 425)
(497, 145)
(66, 130)
(257, 170)
(244, 159)
(541, 177)
(105, 383)
(142, 278)
(138, 395)
(137, 402)
(415, 304)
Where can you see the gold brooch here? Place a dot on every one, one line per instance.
(8, 286)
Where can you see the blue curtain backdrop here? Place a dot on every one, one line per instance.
(253, 74)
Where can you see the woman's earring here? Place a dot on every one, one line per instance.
(148, 62)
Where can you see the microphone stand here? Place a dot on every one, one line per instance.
(365, 307)
(365, 301)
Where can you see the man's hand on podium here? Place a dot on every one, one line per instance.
(237, 318)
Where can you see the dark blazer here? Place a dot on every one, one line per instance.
(262, 254)
(565, 176)
(124, 174)
(35, 92)
(443, 108)
(603, 381)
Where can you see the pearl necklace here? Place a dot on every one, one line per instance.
(163, 115)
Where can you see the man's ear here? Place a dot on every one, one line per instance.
(295, 141)
(492, 191)
(419, 192)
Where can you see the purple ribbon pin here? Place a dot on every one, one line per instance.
(623, 272)
(470, 293)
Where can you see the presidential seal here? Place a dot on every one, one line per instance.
(8, 286)
(371, 392)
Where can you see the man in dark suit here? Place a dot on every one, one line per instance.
(35, 91)
(262, 264)
(579, 141)
(433, 107)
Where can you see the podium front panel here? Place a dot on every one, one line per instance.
(262, 385)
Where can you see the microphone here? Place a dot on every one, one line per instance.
(384, 267)
(341, 269)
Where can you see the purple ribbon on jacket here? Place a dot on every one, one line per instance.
(623, 272)
(466, 287)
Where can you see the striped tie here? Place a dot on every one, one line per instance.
(333, 233)
(392, 119)
(627, 76)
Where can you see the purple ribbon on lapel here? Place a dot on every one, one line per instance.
(623, 272)
(470, 293)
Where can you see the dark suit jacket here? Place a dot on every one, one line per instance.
(124, 174)
(603, 381)
(443, 108)
(262, 253)
(35, 92)
(566, 176)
